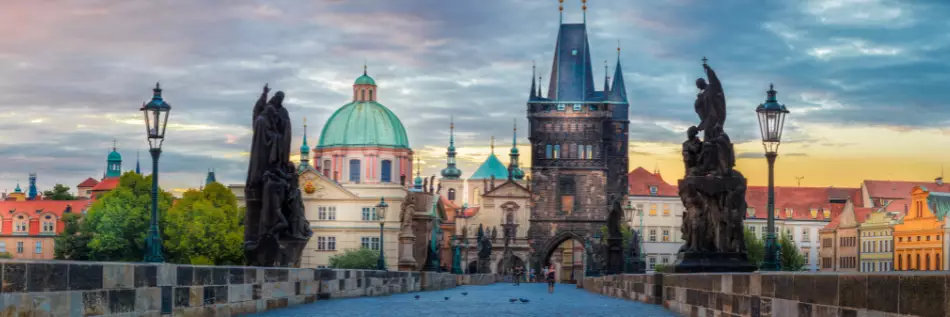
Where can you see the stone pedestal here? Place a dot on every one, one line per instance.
(614, 256)
(484, 266)
(422, 230)
(695, 262)
(407, 261)
(715, 209)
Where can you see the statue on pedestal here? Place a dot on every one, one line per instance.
(614, 254)
(484, 251)
(276, 229)
(712, 191)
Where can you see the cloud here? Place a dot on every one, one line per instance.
(74, 75)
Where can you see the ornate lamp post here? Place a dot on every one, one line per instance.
(156, 119)
(771, 121)
(381, 214)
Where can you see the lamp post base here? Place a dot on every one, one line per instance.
(153, 250)
(772, 261)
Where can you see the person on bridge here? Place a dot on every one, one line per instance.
(549, 274)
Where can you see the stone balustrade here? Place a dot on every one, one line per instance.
(66, 288)
(781, 294)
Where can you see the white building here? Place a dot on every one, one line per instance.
(658, 206)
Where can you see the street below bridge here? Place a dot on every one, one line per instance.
(488, 300)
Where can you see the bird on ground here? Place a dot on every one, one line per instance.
(524, 300)
(464, 293)
(512, 300)
(446, 298)
(417, 297)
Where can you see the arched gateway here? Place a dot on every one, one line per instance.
(579, 139)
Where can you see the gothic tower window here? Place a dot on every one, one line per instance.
(557, 150)
(548, 151)
(566, 191)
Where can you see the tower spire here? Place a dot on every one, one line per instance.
(584, 7)
(606, 78)
(138, 167)
(364, 66)
(533, 73)
(113, 144)
(304, 148)
(619, 91)
(539, 86)
(560, 8)
(451, 171)
(493, 144)
(514, 172)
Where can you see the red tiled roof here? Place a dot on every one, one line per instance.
(640, 181)
(35, 207)
(800, 199)
(836, 210)
(898, 192)
(89, 182)
(861, 214)
(107, 184)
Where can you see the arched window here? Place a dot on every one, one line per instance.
(590, 152)
(21, 224)
(909, 265)
(354, 171)
(939, 262)
(452, 194)
(326, 168)
(900, 262)
(574, 150)
(370, 94)
(927, 262)
(362, 94)
(386, 171)
(510, 218)
(548, 151)
(918, 262)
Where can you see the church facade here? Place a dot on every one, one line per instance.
(579, 144)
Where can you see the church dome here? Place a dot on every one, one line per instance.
(364, 123)
(492, 166)
(365, 80)
(114, 156)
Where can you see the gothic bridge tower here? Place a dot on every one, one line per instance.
(579, 142)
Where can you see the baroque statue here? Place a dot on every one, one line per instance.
(614, 254)
(276, 229)
(712, 191)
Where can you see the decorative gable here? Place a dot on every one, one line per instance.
(509, 189)
(315, 185)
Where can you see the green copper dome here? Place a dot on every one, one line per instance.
(491, 167)
(365, 80)
(114, 156)
(364, 123)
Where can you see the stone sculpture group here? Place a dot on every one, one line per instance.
(712, 191)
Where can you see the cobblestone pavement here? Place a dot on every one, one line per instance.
(489, 300)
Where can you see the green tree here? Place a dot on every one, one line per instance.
(624, 229)
(363, 258)
(206, 227)
(59, 192)
(792, 259)
(119, 220)
(755, 247)
(71, 244)
(6, 255)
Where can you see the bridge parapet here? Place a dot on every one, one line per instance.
(784, 294)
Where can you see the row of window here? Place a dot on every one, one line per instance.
(664, 259)
(926, 238)
(876, 246)
(371, 243)
(788, 231)
(329, 243)
(875, 266)
(385, 167)
(848, 262)
(907, 263)
(875, 234)
(847, 241)
(665, 238)
(19, 247)
(577, 107)
(667, 208)
(329, 213)
(570, 151)
(567, 127)
(21, 224)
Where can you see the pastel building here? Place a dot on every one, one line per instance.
(919, 237)
(28, 228)
(657, 205)
(842, 254)
(877, 241)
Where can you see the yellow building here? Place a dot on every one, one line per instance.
(877, 241)
(918, 236)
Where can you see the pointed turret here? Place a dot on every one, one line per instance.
(572, 78)
(417, 183)
(619, 92)
(17, 189)
(114, 162)
(304, 149)
(451, 171)
(210, 178)
(606, 80)
(31, 195)
(514, 171)
(531, 94)
(138, 167)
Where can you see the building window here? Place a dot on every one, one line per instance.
(477, 199)
(371, 94)
(386, 171)
(548, 151)
(354, 171)
(560, 107)
(666, 209)
(752, 229)
(652, 209)
(326, 213)
(788, 231)
(49, 224)
(557, 151)
(666, 235)
(369, 214)
(39, 247)
(566, 187)
(3, 247)
(326, 168)
(805, 236)
(451, 194)
(371, 243)
(21, 225)
(577, 107)
(326, 243)
(652, 262)
(665, 260)
(19, 247)
(653, 190)
(652, 235)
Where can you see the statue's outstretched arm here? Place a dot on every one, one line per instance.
(259, 106)
(714, 82)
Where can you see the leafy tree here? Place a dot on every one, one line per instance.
(59, 192)
(119, 220)
(624, 229)
(755, 247)
(6, 255)
(206, 227)
(362, 258)
(71, 244)
(792, 259)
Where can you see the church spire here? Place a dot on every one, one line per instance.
(514, 172)
(533, 73)
(138, 167)
(418, 181)
(304, 148)
(451, 171)
(606, 79)
(539, 86)
(493, 144)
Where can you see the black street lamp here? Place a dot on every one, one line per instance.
(381, 214)
(771, 120)
(156, 119)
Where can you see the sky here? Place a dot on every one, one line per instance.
(865, 80)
